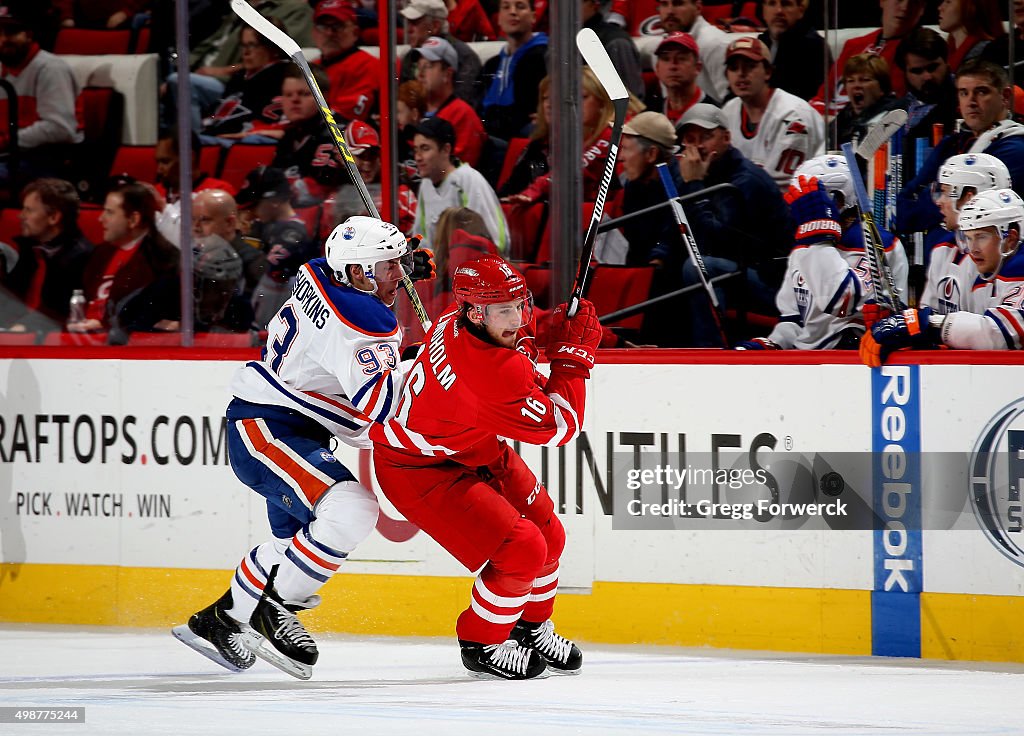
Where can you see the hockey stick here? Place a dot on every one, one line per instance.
(880, 133)
(691, 246)
(882, 282)
(279, 38)
(597, 59)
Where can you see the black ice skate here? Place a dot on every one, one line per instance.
(214, 634)
(505, 661)
(560, 654)
(278, 637)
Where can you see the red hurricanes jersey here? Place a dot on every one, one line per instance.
(462, 393)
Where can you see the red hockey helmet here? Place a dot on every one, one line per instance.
(488, 280)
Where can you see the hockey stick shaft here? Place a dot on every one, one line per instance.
(279, 38)
(597, 59)
(691, 246)
(882, 281)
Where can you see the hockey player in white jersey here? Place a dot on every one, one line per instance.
(991, 225)
(827, 285)
(330, 369)
(776, 130)
(951, 272)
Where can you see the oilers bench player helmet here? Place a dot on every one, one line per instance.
(834, 174)
(365, 241)
(979, 171)
(1002, 209)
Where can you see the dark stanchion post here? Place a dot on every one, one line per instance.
(185, 173)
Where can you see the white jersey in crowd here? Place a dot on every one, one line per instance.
(332, 354)
(463, 187)
(950, 279)
(789, 133)
(712, 42)
(818, 300)
(994, 319)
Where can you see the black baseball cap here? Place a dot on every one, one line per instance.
(261, 184)
(437, 129)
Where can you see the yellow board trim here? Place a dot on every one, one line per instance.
(953, 626)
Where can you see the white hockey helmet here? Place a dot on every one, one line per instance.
(1002, 209)
(831, 170)
(981, 171)
(365, 241)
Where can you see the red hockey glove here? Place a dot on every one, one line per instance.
(813, 211)
(572, 343)
(873, 313)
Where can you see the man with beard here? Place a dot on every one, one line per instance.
(931, 93)
(46, 92)
(686, 15)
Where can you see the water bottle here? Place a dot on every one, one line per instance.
(76, 307)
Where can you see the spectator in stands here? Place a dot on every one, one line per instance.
(364, 142)
(971, 25)
(686, 15)
(104, 14)
(617, 41)
(306, 152)
(998, 51)
(52, 252)
(214, 212)
(931, 91)
(985, 99)
(774, 129)
(746, 230)
(435, 60)
(513, 76)
(429, 19)
(250, 101)
(133, 255)
(447, 182)
(168, 169)
(899, 18)
(282, 233)
(354, 73)
(409, 110)
(797, 49)
(219, 56)
(468, 21)
(46, 91)
(676, 67)
(866, 77)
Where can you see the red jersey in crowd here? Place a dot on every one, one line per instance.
(355, 78)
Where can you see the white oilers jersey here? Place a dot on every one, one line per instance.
(332, 354)
(950, 279)
(789, 133)
(819, 299)
(851, 247)
(996, 317)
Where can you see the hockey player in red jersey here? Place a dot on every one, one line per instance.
(444, 462)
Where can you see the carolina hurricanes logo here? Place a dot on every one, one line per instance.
(796, 128)
(651, 26)
(948, 288)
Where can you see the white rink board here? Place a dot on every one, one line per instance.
(213, 518)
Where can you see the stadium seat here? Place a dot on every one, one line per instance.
(241, 159)
(10, 224)
(100, 113)
(138, 162)
(17, 339)
(89, 42)
(75, 339)
(515, 149)
(89, 224)
(538, 281)
(617, 287)
(209, 160)
(525, 223)
(311, 217)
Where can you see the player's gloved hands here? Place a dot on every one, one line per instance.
(907, 329)
(423, 266)
(813, 211)
(758, 343)
(572, 343)
(874, 312)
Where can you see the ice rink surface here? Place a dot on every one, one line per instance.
(138, 682)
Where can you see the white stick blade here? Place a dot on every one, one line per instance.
(276, 36)
(596, 56)
(880, 132)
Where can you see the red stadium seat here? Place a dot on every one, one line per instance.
(538, 280)
(515, 149)
(77, 339)
(209, 160)
(89, 223)
(17, 339)
(617, 287)
(241, 159)
(10, 225)
(311, 218)
(89, 42)
(136, 161)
